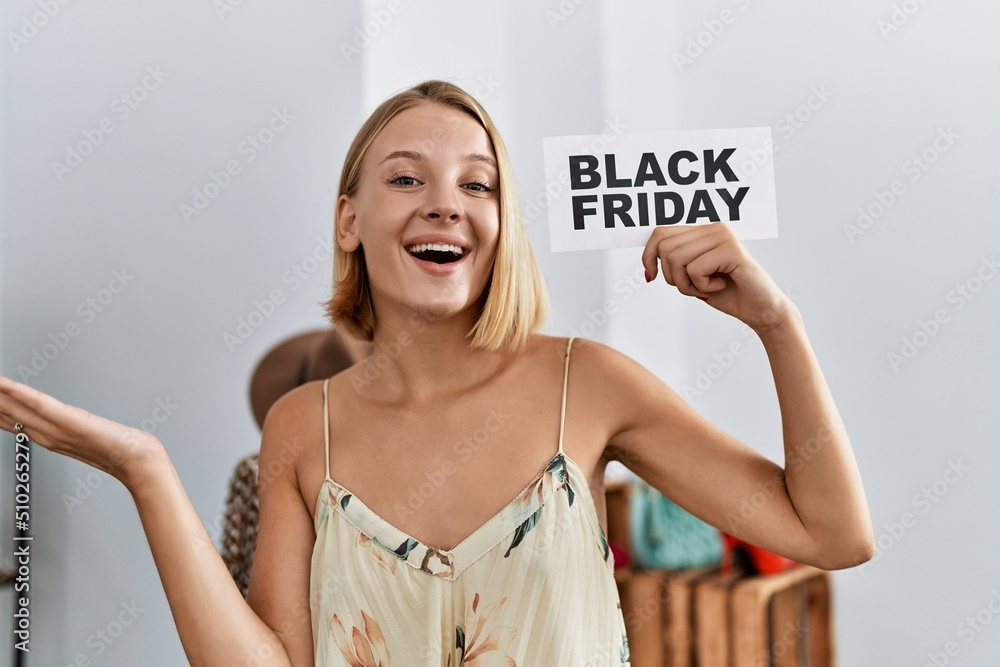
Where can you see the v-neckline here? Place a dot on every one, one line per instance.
(452, 561)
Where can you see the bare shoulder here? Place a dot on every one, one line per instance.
(595, 365)
(613, 385)
(295, 408)
(603, 384)
(292, 426)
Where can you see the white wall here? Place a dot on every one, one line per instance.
(887, 99)
(538, 75)
(161, 338)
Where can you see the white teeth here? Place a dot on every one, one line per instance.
(413, 249)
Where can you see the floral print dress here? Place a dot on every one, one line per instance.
(532, 587)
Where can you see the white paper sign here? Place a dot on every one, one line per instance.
(613, 192)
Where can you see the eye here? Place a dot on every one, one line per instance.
(402, 179)
(480, 186)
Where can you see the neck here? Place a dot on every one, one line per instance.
(423, 360)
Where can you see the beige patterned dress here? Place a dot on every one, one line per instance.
(532, 587)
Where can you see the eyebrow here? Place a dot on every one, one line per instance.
(479, 157)
(417, 156)
(410, 155)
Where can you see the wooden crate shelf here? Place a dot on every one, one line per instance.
(702, 618)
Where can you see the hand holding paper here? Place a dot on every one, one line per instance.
(709, 262)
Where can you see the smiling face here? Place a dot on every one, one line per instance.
(426, 212)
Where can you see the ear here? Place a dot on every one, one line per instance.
(347, 231)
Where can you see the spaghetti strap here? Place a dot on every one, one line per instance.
(326, 426)
(562, 416)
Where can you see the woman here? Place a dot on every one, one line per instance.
(396, 525)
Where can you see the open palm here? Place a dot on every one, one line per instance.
(65, 429)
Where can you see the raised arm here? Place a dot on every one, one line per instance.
(215, 624)
(813, 509)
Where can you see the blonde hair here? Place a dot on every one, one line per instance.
(516, 299)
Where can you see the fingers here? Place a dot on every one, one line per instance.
(22, 402)
(74, 432)
(679, 264)
(677, 248)
(651, 252)
(47, 421)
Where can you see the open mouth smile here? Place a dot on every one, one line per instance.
(437, 258)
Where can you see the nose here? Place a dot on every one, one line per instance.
(442, 203)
